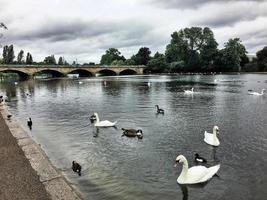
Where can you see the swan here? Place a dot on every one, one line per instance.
(132, 133)
(148, 84)
(16, 83)
(199, 158)
(104, 123)
(80, 82)
(159, 110)
(189, 91)
(196, 174)
(211, 138)
(256, 93)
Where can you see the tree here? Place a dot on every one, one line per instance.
(50, 60)
(232, 55)
(193, 46)
(117, 62)
(2, 25)
(262, 59)
(111, 55)
(129, 62)
(29, 59)
(8, 54)
(20, 57)
(60, 61)
(157, 64)
(142, 57)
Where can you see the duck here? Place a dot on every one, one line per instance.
(76, 167)
(211, 138)
(196, 174)
(189, 91)
(257, 93)
(199, 159)
(159, 110)
(104, 123)
(132, 133)
(29, 123)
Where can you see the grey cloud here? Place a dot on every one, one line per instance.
(192, 4)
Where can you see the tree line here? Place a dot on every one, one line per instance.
(192, 49)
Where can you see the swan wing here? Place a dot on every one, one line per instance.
(209, 139)
(105, 123)
(200, 174)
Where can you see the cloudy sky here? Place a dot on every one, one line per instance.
(84, 29)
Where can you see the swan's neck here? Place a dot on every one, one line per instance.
(214, 133)
(184, 170)
(192, 89)
(97, 118)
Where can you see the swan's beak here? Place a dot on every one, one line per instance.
(176, 163)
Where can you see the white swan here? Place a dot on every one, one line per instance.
(189, 91)
(80, 82)
(104, 123)
(196, 174)
(256, 93)
(149, 84)
(211, 138)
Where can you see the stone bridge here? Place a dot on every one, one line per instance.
(28, 71)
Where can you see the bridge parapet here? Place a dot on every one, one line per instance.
(63, 70)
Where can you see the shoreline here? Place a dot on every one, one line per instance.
(54, 182)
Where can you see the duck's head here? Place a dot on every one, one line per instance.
(216, 129)
(196, 155)
(139, 134)
(180, 159)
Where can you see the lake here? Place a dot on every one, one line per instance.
(120, 168)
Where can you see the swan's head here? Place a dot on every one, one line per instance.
(180, 159)
(192, 89)
(139, 134)
(216, 129)
(95, 114)
(157, 106)
(263, 90)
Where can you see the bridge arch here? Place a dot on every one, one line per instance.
(50, 72)
(22, 75)
(81, 72)
(128, 72)
(106, 72)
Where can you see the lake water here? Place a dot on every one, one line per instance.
(121, 168)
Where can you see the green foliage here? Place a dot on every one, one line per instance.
(60, 61)
(29, 59)
(50, 60)
(142, 57)
(117, 62)
(195, 47)
(232, 55)
(20, 57)
(8, 54)
(262, 59)
(129, 62)
(111, 55)
(157, 64)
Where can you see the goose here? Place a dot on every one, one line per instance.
(199, 159)
(196, 174)
(29, 123)
(211, 138)
(189, 91)
(132, 133)
(256, 93)
(104, 123)
(159, 110)
(76, 167)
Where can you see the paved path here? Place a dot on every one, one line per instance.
(18, 180)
